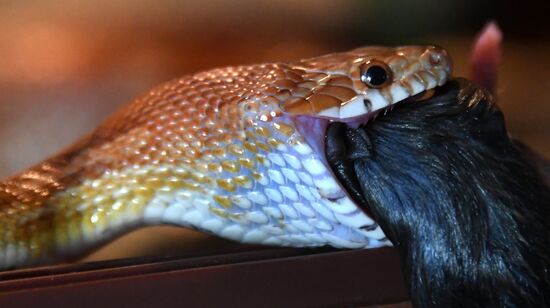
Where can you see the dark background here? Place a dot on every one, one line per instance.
(66, 65)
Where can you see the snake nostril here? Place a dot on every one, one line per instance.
(438, 58)
(435, 59)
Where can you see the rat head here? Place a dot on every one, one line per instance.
(351, 85)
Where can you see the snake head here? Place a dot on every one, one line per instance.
(348, 86)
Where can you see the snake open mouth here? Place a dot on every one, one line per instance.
(329, 139)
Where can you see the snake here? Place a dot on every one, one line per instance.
(235, 151)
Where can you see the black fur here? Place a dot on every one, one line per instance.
(466, 207)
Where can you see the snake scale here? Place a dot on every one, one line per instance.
(235, 151)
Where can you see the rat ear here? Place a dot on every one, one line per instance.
(485, 56)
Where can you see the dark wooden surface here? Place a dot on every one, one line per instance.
(257, 278)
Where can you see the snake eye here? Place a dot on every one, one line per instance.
(375, 74)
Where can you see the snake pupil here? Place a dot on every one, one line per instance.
(375, 75)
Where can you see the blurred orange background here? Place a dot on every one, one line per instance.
(66, 65)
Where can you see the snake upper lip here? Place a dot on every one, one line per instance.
(362, 119)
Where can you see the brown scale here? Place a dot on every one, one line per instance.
(184, 121)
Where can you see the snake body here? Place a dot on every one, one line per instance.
(236, 152)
